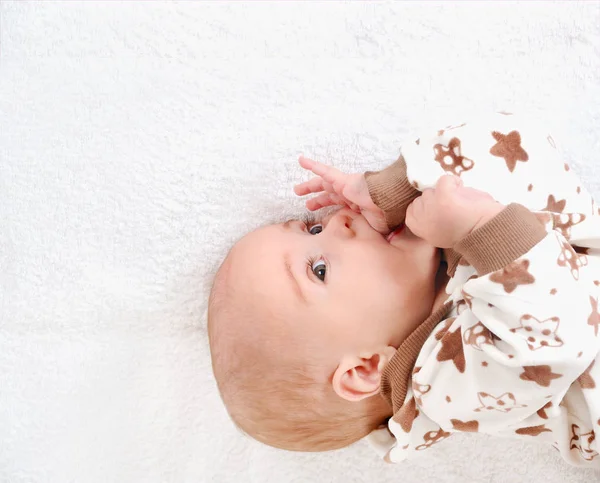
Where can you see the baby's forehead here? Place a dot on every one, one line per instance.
(258, 260)
(254, 249)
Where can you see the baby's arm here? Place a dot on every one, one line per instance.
(524, 327)
(511, 158)
(527, 327)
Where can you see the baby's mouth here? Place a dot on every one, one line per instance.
(397, 231)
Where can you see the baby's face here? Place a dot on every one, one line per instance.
(339, 282)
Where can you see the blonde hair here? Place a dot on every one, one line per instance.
(274, 395)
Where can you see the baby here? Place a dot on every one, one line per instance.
(456, 290)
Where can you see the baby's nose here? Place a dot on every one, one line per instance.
(340, 222)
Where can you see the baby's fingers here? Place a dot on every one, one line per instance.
(330, 174)
(323, 200)
(315, 185)
(414, 214)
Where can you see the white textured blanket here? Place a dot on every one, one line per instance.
(139, 140)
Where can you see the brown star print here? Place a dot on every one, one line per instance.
(555, 206)
(513, 275)
(533, 430)
(450, 157)
(504, 403)
(468, 298)
(431, 438)
(586, 380)
(406, 415)
(545, 330)
(542, 411)
(477, 336)
(419, 391)
(541, 375)
(564, 222)
(444, 328)
(569, 258)
(508, 146)
(452, 350)
(594, 318)
(583, 442)
(466, 426)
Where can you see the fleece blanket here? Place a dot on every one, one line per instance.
(139, 140)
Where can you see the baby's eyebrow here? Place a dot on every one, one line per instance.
(290, 274)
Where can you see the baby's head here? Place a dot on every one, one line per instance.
(302, 321)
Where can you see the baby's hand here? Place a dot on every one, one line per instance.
(337, 188)
(445, 215)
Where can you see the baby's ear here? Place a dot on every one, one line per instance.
(359, 377)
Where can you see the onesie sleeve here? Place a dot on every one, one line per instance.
(526, 326)
(391, 191)
(511, 157)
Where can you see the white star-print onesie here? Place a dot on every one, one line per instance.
(515, 350)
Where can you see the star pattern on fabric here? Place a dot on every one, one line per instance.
(419, 389)
(569, 258)
(467, 298)
(508, 146)
(407, 414)
(443, 328)
(465, 426)
(432, 437)
(594, 318)
(554, 206)
(582, 442)
(533, 430)
(564, 222)
(513, 275)
(542, 411)
(544, 330)
(477, 336)
(452, 350)
(541, 375)
(450, 157)
(586, 380)
(504, 403)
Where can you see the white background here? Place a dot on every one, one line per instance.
(139, 140)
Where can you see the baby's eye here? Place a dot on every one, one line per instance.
(319, 268)
(315, 229)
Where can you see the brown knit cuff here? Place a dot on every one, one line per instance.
(502, 240)
(391, 191)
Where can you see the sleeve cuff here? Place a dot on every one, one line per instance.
(502, 240)
(391, 191)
